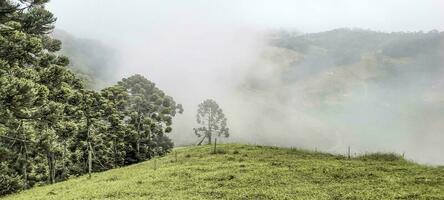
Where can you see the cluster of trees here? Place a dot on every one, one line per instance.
(51, 126)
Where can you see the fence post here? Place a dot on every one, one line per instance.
(215, 141)
(89, 160)
(348, 152)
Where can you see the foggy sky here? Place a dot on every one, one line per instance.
(194, 50)
(123, 21)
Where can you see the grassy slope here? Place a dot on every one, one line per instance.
(253, 172)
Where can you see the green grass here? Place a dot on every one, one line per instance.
(254, 172)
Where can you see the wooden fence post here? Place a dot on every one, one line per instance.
(348, 152)
(215, 143)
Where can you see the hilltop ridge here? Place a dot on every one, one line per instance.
(245, 171)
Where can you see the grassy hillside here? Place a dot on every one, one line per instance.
(254, 172)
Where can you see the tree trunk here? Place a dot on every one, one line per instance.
(203, 138)
(209, 128)
(25, 176)
(115, 152)
(215, 143)
(138, 147)
(64, 168)
(89, 160)
(53, 167)
(138, 136)
(25, 167)
(88, 126)
(51, 170)
(50, 158)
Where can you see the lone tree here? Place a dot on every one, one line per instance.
(212, 121)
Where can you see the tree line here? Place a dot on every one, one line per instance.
(52, 126)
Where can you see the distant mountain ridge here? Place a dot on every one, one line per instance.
(94, 61)
(347, 46)
(392, 57)
(350, 86)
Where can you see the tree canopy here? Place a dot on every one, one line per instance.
(51, 126)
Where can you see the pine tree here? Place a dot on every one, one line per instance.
(51, 126)
(114, 110)
(150, 113)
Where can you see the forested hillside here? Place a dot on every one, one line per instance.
(64, 115)
(53, 127)
(93, 61)
(384, 56)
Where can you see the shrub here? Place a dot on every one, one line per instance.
(381, 157)
(9, 182)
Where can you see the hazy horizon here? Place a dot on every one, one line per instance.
(196, 50)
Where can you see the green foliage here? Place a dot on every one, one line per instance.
(150, 114)
(387, 157)
(212, 120)
(51, 126)
(256, 172)
(37, 21)
(9, 180)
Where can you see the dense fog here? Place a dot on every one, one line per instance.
(285, 73)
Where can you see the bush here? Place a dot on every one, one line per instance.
(381, 157)
(9, 182)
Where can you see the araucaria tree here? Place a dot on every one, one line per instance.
(149, 117)
(51, 126)
(212, 121)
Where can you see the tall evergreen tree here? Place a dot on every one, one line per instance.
(150, 114)
(115, 112)
(51, 126)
